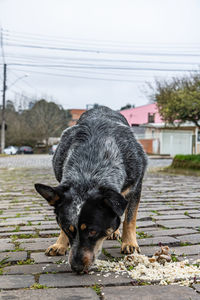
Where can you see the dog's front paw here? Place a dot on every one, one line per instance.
(115, 235)
(56, 249)
(128, 248)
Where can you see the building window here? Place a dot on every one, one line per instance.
(151, 117)
(198, 136)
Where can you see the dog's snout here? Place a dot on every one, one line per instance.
(77, 268)
(81, 261)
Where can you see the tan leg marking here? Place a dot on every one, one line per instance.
(114, 236)
(60, 247)
(124, 193)
(129, 242)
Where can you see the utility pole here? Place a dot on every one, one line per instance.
(3, 122)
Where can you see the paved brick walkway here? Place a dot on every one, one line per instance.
(169, 214)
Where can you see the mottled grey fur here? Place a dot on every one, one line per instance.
(100, 151)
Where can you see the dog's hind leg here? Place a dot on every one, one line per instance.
(60, 247)
(129, 241)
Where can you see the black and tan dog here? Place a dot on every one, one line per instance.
(99, 166)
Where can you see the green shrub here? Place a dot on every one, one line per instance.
(186, 161)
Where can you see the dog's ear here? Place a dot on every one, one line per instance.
(48, 192)
(115, 201)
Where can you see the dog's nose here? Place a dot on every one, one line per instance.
(77, 268)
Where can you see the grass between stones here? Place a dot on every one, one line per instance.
(37, 286)
(156, 212)
(26, 262)
(143, 235)
(97, 288)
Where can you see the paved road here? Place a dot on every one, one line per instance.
(169, 213)
(44, 161)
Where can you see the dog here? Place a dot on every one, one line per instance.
(100, 167)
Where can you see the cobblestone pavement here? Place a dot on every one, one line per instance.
(169, 213)
(44, 161)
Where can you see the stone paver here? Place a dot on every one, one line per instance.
(36, 269)
(71, 279)
(189, 223)
(4, 246)
(150, 293)
(168, 214)
(190, 238)
(16, 282)
(13, 256)
(170, 232)
(164, 240)
(46, 294)
(187, 250)
(42, 258)
(197, 287)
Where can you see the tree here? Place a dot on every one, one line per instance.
(10, 105)
(45, 119)
(127, 106)
(36, 123)
(179, 99)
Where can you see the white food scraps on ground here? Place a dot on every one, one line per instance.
(139, 267)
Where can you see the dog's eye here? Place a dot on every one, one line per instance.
(92, 233)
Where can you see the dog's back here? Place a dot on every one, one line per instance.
(100, 150)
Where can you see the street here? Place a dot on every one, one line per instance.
(169, 214)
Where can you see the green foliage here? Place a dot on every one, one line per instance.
(182, 244)
(18, 215)
(27, 236)
(190, 157)
(4, 261)
(143, 235)
(179, 99)
(26, 262)
(97, 289)
(187, 161)
(36, 124)
(174, 257)
(17, 229)
(156, 212)
(38, 286)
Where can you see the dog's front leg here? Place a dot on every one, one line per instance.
(114, 236)
(129, 241)
(60, 247)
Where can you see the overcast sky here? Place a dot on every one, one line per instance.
(81, 52)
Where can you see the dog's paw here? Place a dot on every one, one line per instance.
(129, 248)
(56, 249)
(114, 236)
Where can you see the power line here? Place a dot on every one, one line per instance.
(23, 35)
(101, 67)
(101, 51)
(64, 59)
(79, 77)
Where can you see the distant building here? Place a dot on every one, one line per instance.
(157, 137)
(75, 115)
(142, 115)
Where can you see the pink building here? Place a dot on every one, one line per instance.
(142, 114)
(159, 137)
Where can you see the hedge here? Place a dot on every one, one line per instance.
(186, 161)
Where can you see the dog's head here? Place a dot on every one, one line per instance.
(87, 220)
